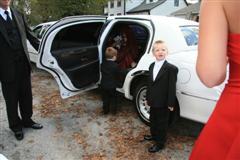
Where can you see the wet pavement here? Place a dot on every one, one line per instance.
(76, 129)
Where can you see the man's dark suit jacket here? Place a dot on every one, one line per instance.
(7, 64)
(162, 92)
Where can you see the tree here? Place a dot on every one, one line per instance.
(39, 11)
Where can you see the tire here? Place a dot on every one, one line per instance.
(139, 99)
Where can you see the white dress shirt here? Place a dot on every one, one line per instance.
(4, 15)
(157, 67)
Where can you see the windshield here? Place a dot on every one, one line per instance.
(190, 34)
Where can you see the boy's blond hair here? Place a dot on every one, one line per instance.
(157, 42)
(110, 52)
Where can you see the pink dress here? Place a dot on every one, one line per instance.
(220, 138)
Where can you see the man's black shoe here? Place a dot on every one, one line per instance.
(34, 125)
(155, 148)
(148, 138)
(18, 135)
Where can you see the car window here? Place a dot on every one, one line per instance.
(80, 35)
(137, 37)
(142, 36)
(43, 31)
(40, 29)
(190, 34)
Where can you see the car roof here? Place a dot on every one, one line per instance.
(167, 19)
(164, 19)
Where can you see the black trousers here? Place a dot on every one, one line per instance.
(159, 124)
(109, 98)
(18, 93)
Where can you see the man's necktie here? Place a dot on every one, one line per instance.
(8, 20)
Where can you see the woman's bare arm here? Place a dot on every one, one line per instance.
(212, 49)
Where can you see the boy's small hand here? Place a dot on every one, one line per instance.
(133, 64)
(171, 108)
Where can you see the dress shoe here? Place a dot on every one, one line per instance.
(34, 125)
(155, 148)
(148, 137)
(18, 135)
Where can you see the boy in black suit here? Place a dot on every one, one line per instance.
(110, 72)
(161, 95)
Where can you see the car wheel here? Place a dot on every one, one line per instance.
(143, 110)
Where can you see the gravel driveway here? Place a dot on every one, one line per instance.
(75, 129)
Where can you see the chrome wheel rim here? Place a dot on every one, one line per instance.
(143, 109)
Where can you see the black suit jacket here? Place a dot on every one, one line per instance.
(110, 74)
(162, 92)
(7, 64)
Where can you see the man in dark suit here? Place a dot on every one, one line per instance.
(161, 95)
(15, 69)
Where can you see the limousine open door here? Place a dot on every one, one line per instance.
(69, 51)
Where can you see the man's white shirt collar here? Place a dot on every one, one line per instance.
(4, 15)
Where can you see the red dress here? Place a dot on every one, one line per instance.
(220, 138)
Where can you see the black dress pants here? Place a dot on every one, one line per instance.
(159, 124)
(109, 98)
(18, 93)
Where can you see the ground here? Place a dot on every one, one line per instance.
(75, 129)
